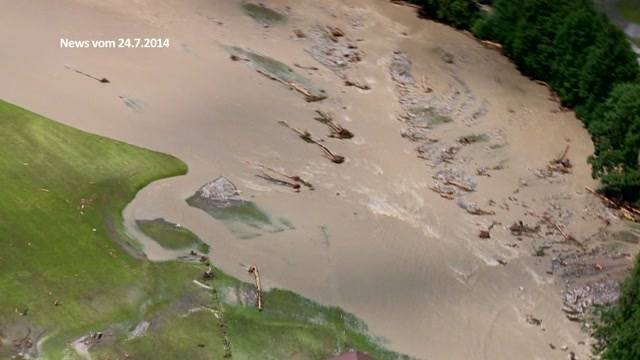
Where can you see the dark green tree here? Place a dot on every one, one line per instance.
(609, 62)
(459, 13)
(619, 329)
(615, 128)
(573, 41)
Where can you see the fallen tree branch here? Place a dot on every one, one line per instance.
(458, 185)
(275, 180)
(305, 67)
(478, 211)
(449, 195)
(486, 234)
(306, 136)
(628, 212)
(407, 4)
(423, 83)
(491, 44)
(357, 84)
(308, 97)
(294, 178)
(563, 155)
(256, 276)
(101, 80)
(337, 131)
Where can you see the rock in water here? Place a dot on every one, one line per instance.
(220, 192)
(221, 199)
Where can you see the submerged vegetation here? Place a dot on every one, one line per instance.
(262, 14)
(171, 236)
(71, 287)
(585, 59)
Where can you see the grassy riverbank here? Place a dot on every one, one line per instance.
(67, 268)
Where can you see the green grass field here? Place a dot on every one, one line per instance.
(67, 268)
(630, 10)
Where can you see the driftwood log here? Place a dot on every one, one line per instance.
(308, 97)
(444, 193)
(357, 84)
(459, 185)
(628, 212)
(337, 131)
(561, 163)
(256, 276)
(100, 80)
(298, 180)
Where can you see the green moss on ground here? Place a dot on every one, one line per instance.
(67, 267)
(171, 236)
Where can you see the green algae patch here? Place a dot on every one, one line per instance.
(277, 70)
(262, 14)
(171, 236)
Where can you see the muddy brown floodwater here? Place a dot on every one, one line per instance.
(373, 237)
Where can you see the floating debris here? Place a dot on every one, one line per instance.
(473, 138)
(447, 192)
(100, 80)
(299, 33)
(519, 228)
(456, 178)
(208, 274)
(337, 131)
(531, 320)
(306, 67)
(280, 72)
(625, 211)
(358, 84)
(444, 55)
(559, 165)
(306, 136)
(473, 208)
(297, 180)
(256, 276)
(486, 234)
(332, 53)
